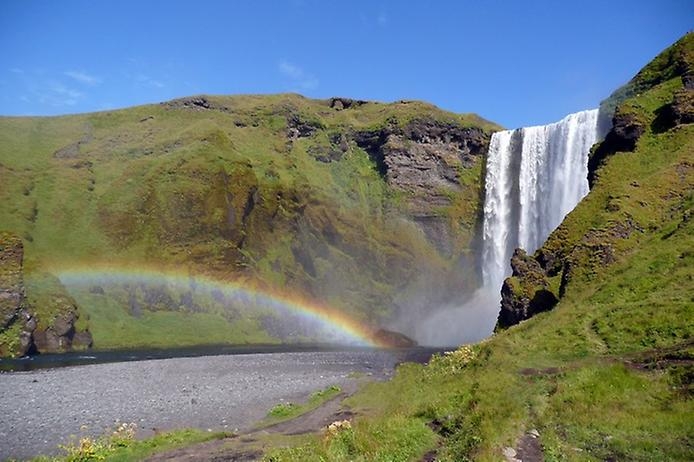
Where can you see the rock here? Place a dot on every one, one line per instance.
(393, 339)
(595, 250)
(64, 326)
(30, 324)
(26, 336)
(70, 151)
(47, 341)
(626, 130)
(510, 454)
(11, 280)
(679, 111)
(526, 293)
(524, 265)
(345, 103)
(688, 81)
(194, 102)
(300, 127)
(423, 160)
(82, 340)
(26, 343)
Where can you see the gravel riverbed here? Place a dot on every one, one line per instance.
(42, 409)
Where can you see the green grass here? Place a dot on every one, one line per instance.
(287, 411)
(399, 439)
(606, 375)
(128, 449)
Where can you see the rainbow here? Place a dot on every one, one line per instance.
(335, 326)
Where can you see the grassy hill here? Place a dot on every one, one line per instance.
(606, 375)
(354, 204)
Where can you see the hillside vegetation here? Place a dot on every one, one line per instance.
(362, 206)
(607, 374)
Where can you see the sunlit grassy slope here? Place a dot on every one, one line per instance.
(606, 375)
(272, 190)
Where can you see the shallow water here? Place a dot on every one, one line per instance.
(52, 360)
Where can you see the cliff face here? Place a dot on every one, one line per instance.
(364, 206)
(13, 316)
(23, 331)
(641, 181)
(425, 162)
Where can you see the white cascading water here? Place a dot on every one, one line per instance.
(535, 177)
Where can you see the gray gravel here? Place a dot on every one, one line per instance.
(41, 409)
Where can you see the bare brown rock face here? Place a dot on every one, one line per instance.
(424, 160)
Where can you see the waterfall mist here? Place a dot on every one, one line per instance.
(534, 177)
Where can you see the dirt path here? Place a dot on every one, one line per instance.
(249, 446)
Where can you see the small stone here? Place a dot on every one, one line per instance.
(534, 433)
(509, 452)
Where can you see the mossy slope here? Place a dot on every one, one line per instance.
(279, 191)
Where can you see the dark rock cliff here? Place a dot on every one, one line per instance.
(424, 161)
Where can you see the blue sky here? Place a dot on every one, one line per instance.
(514, 62)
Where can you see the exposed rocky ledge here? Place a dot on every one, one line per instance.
(423, 160)
(529, 290)
(626, 130)
(526, 293)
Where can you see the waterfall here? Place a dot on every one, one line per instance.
(535, 176)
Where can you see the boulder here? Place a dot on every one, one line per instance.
(526, 293)
(82, 340)
(393, 339)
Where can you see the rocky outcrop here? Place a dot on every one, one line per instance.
(61, 335)
(526, 293)
(195, 103)
(423, 160)
(530, 291)
(626, 130)
(345, 103)
(16, 323)
(299, 126)
(21, 331)
(56, 317)
(393, 339)
(11, 281)
(630, 121)
(679, 111)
